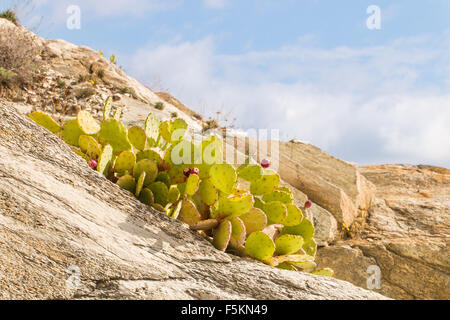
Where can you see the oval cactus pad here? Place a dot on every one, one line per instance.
(251, 172)
(267, 184)
(87, 123)
(160, 192)
(294, 216)
(189, 213)
(115, 133)
(276, 212)
(238, 232)
(304, 229)
(45, 121)
(281, 196)
(71, 133)
(137, 137)
(235, 205)
(192, 184)
(125, 162)
(146, 197)
(255, 220)
(223, 177)
(222, 236)
(260, 246)
(147, 166)
(288, 244)
(128, 183)
(208, 192)
(104, 160)
(140, 184)
(107, 109)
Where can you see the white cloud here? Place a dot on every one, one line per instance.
(368, 105)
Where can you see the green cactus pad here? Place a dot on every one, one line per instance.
(147, 166)
(164, 177)
(288, 244)
(81, 154)
(182, 188)
(179, 127)
(104, 161)
(152, 129)
(117, 114)
(255, 220)
(260, 246)
(327, 272)
(160, 191)
(146, 197)
(300, 260)
(71, 132)
(238, 232)
(90, 146)
(235, 205)
(305, 229)
(281, 196)
(212, 151)
(174, 194)
(205, 225)
(140, 184)
(83, 142)
(125, 162)
(174, 211)
(137, 137)
(250, 173)
(192, 184)
(128, 183)
(310, 248)
(222, 236)
(286, 266)
(294, 216)
(208, 192)
(107, 109)
(176, 175)
(87, 123)
(150, 155)
(158, 207)
(276, 212)
(113, 132)
(45, 121)
(204, 210)
(267, 184)
(223, 177)
(189, 213)
(183, 153)
(165, 130)
(259, 204)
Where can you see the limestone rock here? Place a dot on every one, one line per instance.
(68, 233)
(335, 185)
(407, 234)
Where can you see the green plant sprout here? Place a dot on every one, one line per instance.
(202, 191)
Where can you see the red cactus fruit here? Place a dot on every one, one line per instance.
(93, 164)
(308, 204)
(265, 163)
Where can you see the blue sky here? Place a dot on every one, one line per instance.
(309, 68)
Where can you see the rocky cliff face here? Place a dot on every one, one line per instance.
(395, 218)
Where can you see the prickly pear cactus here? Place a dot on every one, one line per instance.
(190, 182)
(45, 121)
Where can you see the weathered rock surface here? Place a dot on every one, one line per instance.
(57, 215)
(335, 185)
(407, 234)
